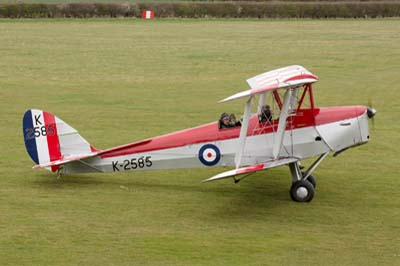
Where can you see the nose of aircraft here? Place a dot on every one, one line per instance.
(371, 112)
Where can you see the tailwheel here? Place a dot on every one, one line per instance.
(302, 191)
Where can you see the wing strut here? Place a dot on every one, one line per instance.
(282, 124)
(243, 132)
(261, 102)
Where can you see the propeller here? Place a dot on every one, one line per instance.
(371, 112)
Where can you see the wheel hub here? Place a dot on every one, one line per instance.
(301, 192)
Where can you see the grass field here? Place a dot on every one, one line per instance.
(83, 1)
(123, 80)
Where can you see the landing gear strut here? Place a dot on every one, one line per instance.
(303, 184)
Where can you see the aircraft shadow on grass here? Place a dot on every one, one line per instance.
(253, 196)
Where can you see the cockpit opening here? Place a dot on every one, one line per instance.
(228, 121)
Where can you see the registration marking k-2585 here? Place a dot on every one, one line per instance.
(132, 164)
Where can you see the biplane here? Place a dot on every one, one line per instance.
(294, 130)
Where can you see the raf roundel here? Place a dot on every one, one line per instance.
(209, 155)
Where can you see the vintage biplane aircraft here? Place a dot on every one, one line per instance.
(294, 129)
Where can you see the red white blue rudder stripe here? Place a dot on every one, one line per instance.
(48, 138)
(40, 135)
(29, 136)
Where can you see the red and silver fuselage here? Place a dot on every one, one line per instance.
(309, 132)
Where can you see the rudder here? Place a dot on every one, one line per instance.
(48, 138)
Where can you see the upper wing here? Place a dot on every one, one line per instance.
(282, 78)
(290, 77)
(253, 168)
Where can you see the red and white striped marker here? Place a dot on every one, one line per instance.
(147, 14)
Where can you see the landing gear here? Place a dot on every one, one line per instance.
(312, 180)
(302, 191)
(303, 184)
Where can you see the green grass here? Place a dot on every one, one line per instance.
(84, 1)
(123, 80)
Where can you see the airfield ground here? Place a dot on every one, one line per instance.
(118, 81)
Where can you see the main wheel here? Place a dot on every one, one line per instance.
(302, 191)
(311, 179)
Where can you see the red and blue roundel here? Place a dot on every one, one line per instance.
(209, 155)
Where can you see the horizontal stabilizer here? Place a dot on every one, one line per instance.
(65, 160)
(253, 168)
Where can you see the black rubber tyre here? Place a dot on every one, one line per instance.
(302, 191)
(312, 180)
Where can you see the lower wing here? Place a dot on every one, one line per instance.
(253, 168)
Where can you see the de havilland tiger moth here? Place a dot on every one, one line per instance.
(285, 129)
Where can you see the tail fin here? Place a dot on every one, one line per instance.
(48, 138)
